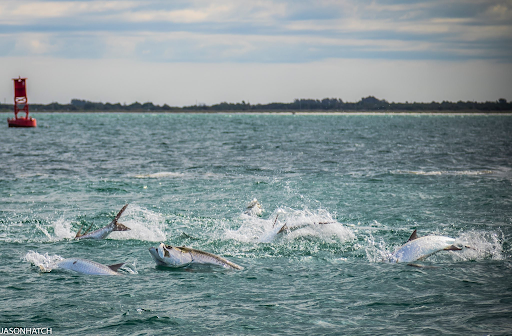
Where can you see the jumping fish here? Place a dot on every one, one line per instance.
(104, 231)
(85, 266)
(173, 256)
(286, 228)
(418, 248)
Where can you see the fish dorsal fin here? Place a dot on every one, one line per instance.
(413, 236)
(115, 267)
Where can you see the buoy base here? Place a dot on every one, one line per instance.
(22, 122)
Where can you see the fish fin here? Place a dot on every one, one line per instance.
(275, 220)
(79, 234)
(115, 267)
(452, 248)
(120, 227)
(87, 231)
(283, 228)
(413, 236)
(119, 214)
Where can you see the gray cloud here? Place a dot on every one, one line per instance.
(257, 51)
(260, 31)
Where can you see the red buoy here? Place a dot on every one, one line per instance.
(21, 104)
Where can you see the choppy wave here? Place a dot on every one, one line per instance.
(180, 175)
(443, 172)
(161, 175)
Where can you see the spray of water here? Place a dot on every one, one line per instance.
(481, 245)
(45, 262)
(476, 245)
(144, 225)
(290, 224)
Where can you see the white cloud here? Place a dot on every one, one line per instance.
(23, 12)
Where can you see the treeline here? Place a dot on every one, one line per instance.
(327, 104)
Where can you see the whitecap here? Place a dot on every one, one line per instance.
(443, 172)
(161, 175)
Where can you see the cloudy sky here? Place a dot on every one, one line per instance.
(187, 52)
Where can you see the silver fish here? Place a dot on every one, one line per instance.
(286, 228)
(173, 256)
(418, 248)
(85, 266)
(104, 231)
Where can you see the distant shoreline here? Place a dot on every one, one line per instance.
(322, 113)
(327, 105)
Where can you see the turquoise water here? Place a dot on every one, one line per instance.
(188, 180)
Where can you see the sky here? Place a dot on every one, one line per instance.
(184, 53)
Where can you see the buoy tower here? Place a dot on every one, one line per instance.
(21, 104)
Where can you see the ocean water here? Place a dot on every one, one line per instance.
(371, 179)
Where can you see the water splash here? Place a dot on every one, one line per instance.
(62, 229)
(476, 245)
(254, 208)
(482, 245)
(144, 225)
(291, 224)
(45, 262)
(130, 267)
(376, 251)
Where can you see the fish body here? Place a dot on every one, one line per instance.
(106, 230)
(173, 256)
(85, 266)
(418, 248)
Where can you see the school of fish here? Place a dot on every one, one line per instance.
(415, 249)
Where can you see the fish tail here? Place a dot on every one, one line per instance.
(120, 227)
(120, 213)
(115, 267)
